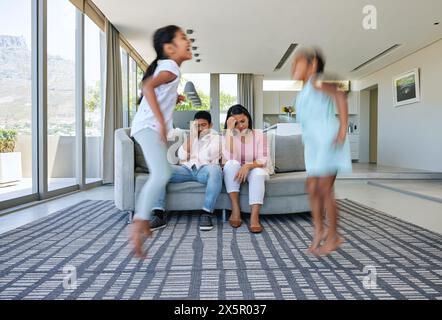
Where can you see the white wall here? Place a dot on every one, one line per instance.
(410, 136)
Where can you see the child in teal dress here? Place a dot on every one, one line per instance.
(326, 149)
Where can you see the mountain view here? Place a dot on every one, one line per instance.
(16, 91)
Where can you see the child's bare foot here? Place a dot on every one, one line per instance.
(331, 244)
(139, 231)
(316, 242)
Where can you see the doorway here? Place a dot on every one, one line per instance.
(373, 126)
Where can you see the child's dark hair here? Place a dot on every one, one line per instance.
(236, 110)
(203, 115)
(311, 55)
(161, 37)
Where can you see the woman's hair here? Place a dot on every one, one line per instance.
(311, 55)
(161, 37)
(238, 109)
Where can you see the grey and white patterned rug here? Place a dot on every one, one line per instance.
(82, 253)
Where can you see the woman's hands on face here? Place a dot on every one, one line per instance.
(231, 123)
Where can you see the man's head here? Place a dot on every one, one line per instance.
(203, 120)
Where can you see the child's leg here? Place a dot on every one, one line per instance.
(160, 171)
(333, 240)
(155, 153)
(317, 211)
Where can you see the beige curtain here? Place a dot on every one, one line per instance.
(246, 91)
(113, 112)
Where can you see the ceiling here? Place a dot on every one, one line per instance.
(251, 36)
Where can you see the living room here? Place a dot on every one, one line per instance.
(71, 172)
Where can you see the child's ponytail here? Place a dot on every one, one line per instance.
(161, 37)
(319, 57)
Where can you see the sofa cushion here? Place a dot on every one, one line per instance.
(281, 184)
(270, 136)
(289, 153)
(174, 141)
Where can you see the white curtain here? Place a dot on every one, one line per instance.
(113, 112)
(246, 92)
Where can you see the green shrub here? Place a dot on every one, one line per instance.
(8, 138)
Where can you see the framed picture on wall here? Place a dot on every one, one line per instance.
(406, 88)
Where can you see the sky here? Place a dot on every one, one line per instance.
(15, 20)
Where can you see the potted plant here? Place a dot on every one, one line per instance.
(288, 110)
(10, 161)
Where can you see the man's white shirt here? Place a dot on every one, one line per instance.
(204, 150)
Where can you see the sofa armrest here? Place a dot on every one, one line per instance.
(124, 193)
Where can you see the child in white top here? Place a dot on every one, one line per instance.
(152, 122)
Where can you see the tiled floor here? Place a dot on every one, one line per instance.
(425, 189)
(422, 212)
(24, 186)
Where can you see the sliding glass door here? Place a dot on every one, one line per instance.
(52, 79)
(93, 105)
(61, 94)
(133, 89)
(16, 109)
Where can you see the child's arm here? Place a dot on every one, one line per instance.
(342, 106)
(149, 92)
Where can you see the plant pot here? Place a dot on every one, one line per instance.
(10, 167)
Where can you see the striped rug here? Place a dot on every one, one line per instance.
(82, 253)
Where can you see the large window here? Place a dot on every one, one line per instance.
(228, 95)
(124, 80)
(61, 123)
(140, 74)
(93, 85)
(26, 113)
(201, 83)
(15, 100)
(133, 89)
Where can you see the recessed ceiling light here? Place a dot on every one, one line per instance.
(196, 55)
(192, 39)
(189, 31)
(436, 23)
(198, 60)
(194, 48)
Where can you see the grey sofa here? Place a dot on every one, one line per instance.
(285, 190)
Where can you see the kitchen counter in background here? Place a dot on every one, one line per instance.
(272, 119)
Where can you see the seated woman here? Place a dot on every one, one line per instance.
(245, 155)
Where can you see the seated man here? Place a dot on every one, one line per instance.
(199, 161)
